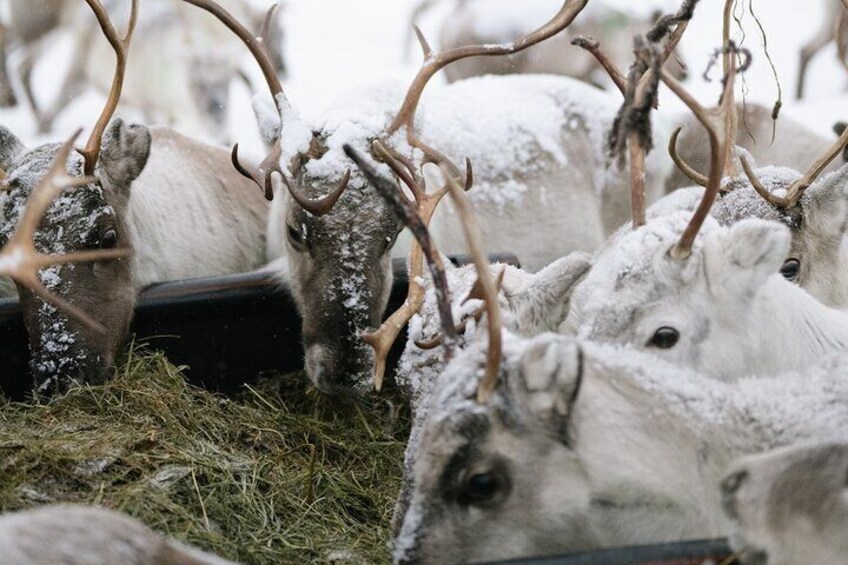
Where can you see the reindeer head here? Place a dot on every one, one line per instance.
(338, 240)
(790, 505)
(483, 469)
(78, 348)
(87, 217)
(818, 223)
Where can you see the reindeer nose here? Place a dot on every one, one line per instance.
(729, 487)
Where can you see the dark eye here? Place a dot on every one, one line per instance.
(295, 236)
(790, 269)
(109, 239)
(390, 241)
(665, 338)
(484, 487)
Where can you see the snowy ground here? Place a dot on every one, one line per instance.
(333, 46)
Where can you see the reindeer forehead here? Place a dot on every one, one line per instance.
(742, 201)
(73, 214)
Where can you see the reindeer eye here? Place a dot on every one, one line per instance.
(790, 269)
(665, 338)
(295, 237)
(109, 239)
(484, 487)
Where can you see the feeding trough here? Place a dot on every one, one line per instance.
(226, 330)
(699, 552)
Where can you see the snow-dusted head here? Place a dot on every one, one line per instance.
(818, 222)
(339, 271)
(89, 217)
(694, 311)
(790, 505)
(499, 480)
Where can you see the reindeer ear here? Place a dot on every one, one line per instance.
(551, 371)
(124, 153)
(825, 206)
(742, 258)
(542, 303)
(10, 148)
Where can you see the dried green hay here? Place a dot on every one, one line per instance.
(279, 474)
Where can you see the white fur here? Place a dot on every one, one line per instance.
(604, 447)
(190, 214)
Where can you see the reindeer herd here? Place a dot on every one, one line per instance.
(666, 365)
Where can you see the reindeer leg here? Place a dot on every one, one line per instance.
(7, 93)
(809, 51)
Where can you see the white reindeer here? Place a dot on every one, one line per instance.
(581, 446)
(536, 145)
(89, 535)
(790, 505)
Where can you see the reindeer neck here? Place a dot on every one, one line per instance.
(792, 329)
(655, 439)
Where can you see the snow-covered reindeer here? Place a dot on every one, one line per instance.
(545, 445)
(499, 21)
(711, 300)
(189, 91)
(177, 203)
(790, 505)
(535, 143)
(90, 535)
(582, 446)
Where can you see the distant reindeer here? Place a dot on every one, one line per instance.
(543, 168)
(180, 76)
(28, 23)
(500, 21)
(833, 29)
(790, 505)
(177, 203)
(90, 535)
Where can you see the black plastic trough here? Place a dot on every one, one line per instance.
(226, 330)
(680, 553)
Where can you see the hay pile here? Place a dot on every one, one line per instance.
(279, 474)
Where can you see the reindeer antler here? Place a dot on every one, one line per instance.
(19, 258)
(406, 170)
(407, 211)
(711, 119)
(263, 174)
(121, 45)
(434, 62)
(632, 126)
(488, 288)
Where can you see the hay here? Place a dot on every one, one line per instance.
(279, 474)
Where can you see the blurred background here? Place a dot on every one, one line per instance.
(332, 47)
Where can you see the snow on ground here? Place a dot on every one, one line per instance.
(334, 46)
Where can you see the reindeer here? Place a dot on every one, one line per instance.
(499, 21)
(832, 30)
(789, 505)
(177, 203)
(189, 92)
(581, 446)
(90, 535)
(538, 165)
